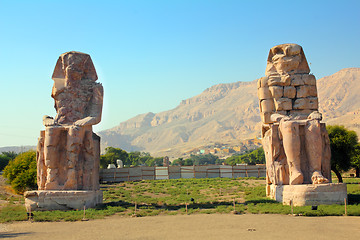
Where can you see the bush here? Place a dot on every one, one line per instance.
(21, 172)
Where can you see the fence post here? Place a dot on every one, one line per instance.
(345, 201)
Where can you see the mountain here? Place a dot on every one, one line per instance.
(17, 149)
(227, 114)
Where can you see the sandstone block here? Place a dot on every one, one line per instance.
(264, 93)
(262, 82)
(43, 200)
(309, 194)
(297, 80)
(309, 79)
(267, 105)
(302, 103)
(306, 91)
(283, 104)
(276, 91)
(313, 103)
(289, 92)
(304, 112)
(266, 117)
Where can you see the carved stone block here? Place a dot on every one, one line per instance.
(283, 104)
(276, 91)
(309, 80)
(267, 105)
(306, 91)
(297, 80)
(264, 93)
(302, 103)
(289, 92)
(313, 103)
(265, 117)
(262, 82)
(304, 112)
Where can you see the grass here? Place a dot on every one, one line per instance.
(172, 197)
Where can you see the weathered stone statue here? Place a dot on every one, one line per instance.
(296, 143)
(68, 151)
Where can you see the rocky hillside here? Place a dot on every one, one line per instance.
(227, 113)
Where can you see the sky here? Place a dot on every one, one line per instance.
(152, 54)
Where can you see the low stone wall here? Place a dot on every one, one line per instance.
(176, 172)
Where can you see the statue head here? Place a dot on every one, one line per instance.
(286, 58)
(72, 67)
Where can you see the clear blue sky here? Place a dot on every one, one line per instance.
(150, 55)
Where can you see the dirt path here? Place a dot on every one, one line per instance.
(214, 226)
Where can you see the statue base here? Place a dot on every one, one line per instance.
(309, 194)
(44, 200)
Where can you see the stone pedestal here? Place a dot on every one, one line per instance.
(309, 194)
(43, 200)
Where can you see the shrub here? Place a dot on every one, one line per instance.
(21, 172)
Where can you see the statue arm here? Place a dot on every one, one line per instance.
(95, 108)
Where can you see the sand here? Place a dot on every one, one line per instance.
(202, 226)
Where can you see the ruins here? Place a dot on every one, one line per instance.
(68, 152)
(295, 141)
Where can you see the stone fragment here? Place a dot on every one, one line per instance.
(267, 105)
(276, 91)
(297, 80)
(262, 82)
(264, 93)
(313, 103)
(283, 104)
(289, 92)
(266, 117)
(303, 113)
(306, 91)
(302, 103)
(309, 79)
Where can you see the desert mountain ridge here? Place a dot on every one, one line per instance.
(227, 114)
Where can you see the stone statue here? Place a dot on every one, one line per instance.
(68, 150)
(295, 142)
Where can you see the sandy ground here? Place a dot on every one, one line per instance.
(214, 226)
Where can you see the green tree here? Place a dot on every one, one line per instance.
(21, 172)
(111, 155)
(254, 157)
(343, 144)
(159, 161)
(178, 162)
(355, 160)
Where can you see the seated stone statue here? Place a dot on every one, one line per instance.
(68, 150)
(295, 142)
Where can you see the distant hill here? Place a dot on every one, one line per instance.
(227, 113)
(17, 149)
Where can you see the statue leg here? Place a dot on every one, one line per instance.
(291, 142)
(88, 160)
(51, 155)
(313, 143)
(73, 147)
